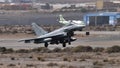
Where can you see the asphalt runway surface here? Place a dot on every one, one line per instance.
(19, 18)
(96, 39)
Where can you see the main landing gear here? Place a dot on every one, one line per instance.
(64, 44)
(46, 44)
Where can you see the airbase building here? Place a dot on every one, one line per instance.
(102, 18)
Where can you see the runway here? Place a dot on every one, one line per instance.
(96, 39)
(21, 45)
(17, 18)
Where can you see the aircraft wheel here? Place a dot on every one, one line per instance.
(69, 42)
(46, 44)
(64, 44)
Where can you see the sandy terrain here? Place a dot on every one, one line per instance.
(60, 60)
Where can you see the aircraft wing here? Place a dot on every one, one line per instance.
(42, 39)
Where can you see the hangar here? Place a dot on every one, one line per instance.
(102, 18)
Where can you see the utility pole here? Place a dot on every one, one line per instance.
(96, 12)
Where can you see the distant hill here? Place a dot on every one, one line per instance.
(66, 1)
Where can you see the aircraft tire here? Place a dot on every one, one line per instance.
(64, 44)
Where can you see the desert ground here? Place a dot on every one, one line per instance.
(61, 59)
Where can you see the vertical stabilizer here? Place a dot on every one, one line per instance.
(62, 20)
(38, 30)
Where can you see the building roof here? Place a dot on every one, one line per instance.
(65, 1)
(103, 14)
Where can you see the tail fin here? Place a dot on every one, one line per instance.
(38, 30)
(62, 20)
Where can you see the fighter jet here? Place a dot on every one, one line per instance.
(66, 22)
(62, 35)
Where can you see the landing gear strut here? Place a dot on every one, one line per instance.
(69, 37)
(46, 44)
